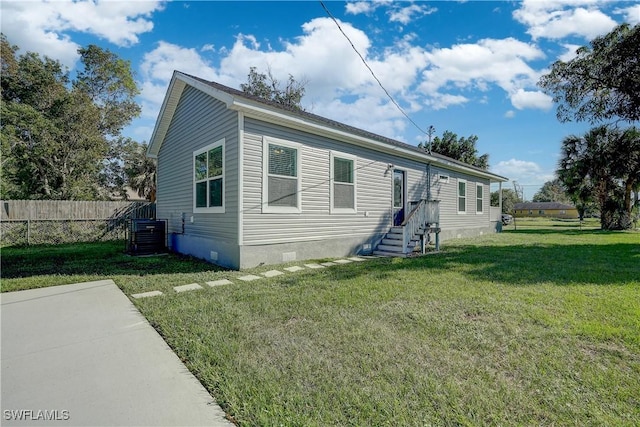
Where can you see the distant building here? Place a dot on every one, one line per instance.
(545, 209)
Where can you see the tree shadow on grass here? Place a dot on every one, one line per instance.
(612, 264)
(104, 258)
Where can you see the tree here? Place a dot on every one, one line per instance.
(509, 199)
(141, 171)
(603, 167)
(462, 149)
(602, 82)
(110, 85)
(266, 86)
(552, 191)
(57, 134)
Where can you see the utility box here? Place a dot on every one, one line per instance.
(146, 237)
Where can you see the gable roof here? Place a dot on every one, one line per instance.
(259, 108)
(542, 206)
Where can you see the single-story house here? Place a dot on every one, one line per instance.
(545, 209)
(244, 182)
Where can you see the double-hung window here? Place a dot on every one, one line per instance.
(208, 178)
(479, 198)
(462, 196)
(343, 183)
(281, 184)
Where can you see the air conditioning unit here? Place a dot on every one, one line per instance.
(146, 237)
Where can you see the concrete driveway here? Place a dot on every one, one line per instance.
(82, 355)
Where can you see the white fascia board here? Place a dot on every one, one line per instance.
(170, 102)
(165, 116)
(261, 113)
(209, 90)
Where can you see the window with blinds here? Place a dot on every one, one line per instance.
(281, 191)
(343, 183)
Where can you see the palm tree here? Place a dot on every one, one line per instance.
(141, 173)
(603, 166)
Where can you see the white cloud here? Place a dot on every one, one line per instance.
(489, 60)
(509, 114)
(157, 68)
(523, 171)
(41, 26)
(480, 65)
(208, 48)
(570, 52)
(522, 99)
(631, 14)
(311, 57)
(556, 19)
(366, 7)
(440, 101)
(405, 15)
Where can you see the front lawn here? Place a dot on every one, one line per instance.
(521, 328)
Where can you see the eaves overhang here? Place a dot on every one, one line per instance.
(301, 121)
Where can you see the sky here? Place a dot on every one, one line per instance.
(470, 67)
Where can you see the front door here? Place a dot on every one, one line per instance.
(399, 202)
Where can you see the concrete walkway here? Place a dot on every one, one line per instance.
(82, 355)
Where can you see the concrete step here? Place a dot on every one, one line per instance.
(387, 248)
(392, 242)
(389, 254)
(396, 236)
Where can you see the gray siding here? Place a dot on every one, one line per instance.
(374, 191)
(447, 193)
(199, 120)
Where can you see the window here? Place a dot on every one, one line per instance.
(479, 198)
(462, 196)
(281, 177)
(343, 183)
(208, 178)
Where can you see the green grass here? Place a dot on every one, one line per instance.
(529, 327)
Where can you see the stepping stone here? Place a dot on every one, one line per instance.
(355, 258)
(249, 278)
(147, 294)
(328, 264)
(314, 266)
(343, 261)
(220, 282)
(294, 268)
(272, 273)
(189, 287)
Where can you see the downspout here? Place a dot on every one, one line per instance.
(429, 181)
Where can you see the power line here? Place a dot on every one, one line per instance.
(370, 70)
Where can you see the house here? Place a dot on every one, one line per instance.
(244, 182)
(545, 209)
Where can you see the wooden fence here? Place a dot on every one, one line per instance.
(64, 221)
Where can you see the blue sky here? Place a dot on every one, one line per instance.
(469, 67)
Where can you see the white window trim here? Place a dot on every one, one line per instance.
(210, 209)
(266, 140)
(443, 178)
(333, 155)
(479, 198)
(466, 196)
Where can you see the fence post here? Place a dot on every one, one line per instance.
(29, 224)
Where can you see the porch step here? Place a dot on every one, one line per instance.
(391, 242)
(388, 248)
(388, 254)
